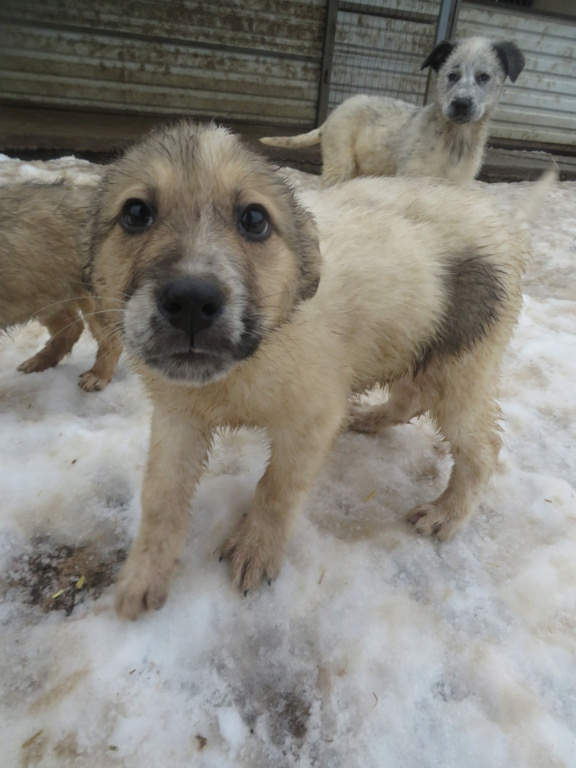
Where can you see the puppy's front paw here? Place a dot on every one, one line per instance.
(91, 382)
(432, 520)
(255, 552)
(37, 363)
(141, 587)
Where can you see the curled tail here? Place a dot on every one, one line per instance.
(532, 202)
(294, 142)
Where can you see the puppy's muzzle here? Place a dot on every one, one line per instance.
(461, 110)
(191, 305)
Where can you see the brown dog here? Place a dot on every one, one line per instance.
(42, 228)
(233, 318)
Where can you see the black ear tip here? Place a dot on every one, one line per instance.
(511, 58)
(520, 64)
(438, 56)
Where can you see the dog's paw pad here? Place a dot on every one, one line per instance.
(431, 520)
(90, 382)
(138, 591)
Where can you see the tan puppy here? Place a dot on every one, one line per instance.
(42, 228)
(379, 136)
(233, 319)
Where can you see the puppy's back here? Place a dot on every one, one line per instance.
(427, 268)
(41, 231)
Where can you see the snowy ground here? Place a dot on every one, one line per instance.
(374, 649)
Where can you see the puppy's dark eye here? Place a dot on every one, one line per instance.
(453, 77)
(254, 222)
(136, 216)
(483, 77)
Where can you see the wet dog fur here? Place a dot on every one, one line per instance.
(379, 136)
(246, 306)
(42, 227)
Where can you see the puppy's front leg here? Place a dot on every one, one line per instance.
(65, 327)
(256, 548)
(103, 329)
(177, 456)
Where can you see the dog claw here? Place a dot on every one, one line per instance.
(414, 517)
(433, 520)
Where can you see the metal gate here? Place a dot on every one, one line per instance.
(379, 48)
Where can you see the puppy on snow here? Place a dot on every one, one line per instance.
(42, 227)
(379, 136)
(244, 306)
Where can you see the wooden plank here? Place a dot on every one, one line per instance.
(287, 28)
(132, 98)
(97, 59)
(223, 60)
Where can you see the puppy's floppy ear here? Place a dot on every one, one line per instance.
(438, 55)
(309, 252)
(511, 58)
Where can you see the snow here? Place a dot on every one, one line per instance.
(374, 647)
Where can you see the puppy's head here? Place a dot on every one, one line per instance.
(471, 74)
(204, 249)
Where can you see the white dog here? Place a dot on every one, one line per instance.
(378, 136)
(239, 310)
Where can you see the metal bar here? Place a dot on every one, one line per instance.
(453, 19)
(447, 20)
(388, 13)
(327, 58)
(443, 21)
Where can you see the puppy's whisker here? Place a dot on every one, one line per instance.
(103, 312)
(56, 304)
(285, 292)
(110, 331)
(113, 294)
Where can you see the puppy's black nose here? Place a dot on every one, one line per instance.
(191, 305)
(461, 107)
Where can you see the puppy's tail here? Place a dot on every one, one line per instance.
(294, 142)
(532, 202)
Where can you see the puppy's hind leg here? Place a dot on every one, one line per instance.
(337, 168)
(338, 163)
(467, 416)
(65, 327)
(404, 402)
